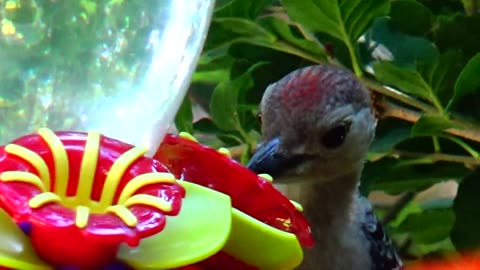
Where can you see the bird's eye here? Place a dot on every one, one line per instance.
(259, 117)
(335, 137)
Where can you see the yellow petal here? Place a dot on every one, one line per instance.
(16, 250)
(196, 233)
(261, 245)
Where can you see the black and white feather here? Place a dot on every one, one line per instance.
(382, 252)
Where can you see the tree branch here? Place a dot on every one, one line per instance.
(389, 109)
(436, 157)
(397, 207)
(468, 161)
(397, 95)
(465, 129)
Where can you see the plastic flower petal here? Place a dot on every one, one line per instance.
(16, 251)
(469, 260)
(200, 230)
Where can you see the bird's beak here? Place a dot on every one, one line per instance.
(265, 160)
(269, 159)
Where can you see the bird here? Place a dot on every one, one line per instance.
(317, 124)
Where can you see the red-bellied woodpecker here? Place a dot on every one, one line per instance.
(317, 126)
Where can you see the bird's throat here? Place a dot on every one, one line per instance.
(324, 194)
(325, 203)
(329, 207)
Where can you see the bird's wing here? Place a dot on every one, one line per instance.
(383, 253)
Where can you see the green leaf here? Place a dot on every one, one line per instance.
(459, 32)
(345, 20)
(465, 234)
(225, 31)
(278, 64)
(228, 138)
(406, 79)
(213, 76)
(241, 8)
(216, 45)
(442, 74)
(89, 6)
(246, 28)
(468, 82)
(448, 7)
(206, 125)
(384, 42)
(229, 31)
(431, 125)
(403, 22)
(184, 117)
(224, 101)
(388, 134)
(420, 250)
(412, 207)
(389, 175)
(219, 4)
(291, 36)
(470, 6)
(438, 221)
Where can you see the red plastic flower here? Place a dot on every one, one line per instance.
(251, 194)
(469, 261)
(84, 194)
(267, 230)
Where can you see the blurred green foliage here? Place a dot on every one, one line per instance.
(421, 61)
(54, 54)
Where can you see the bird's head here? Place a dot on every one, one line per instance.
(317, 123)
